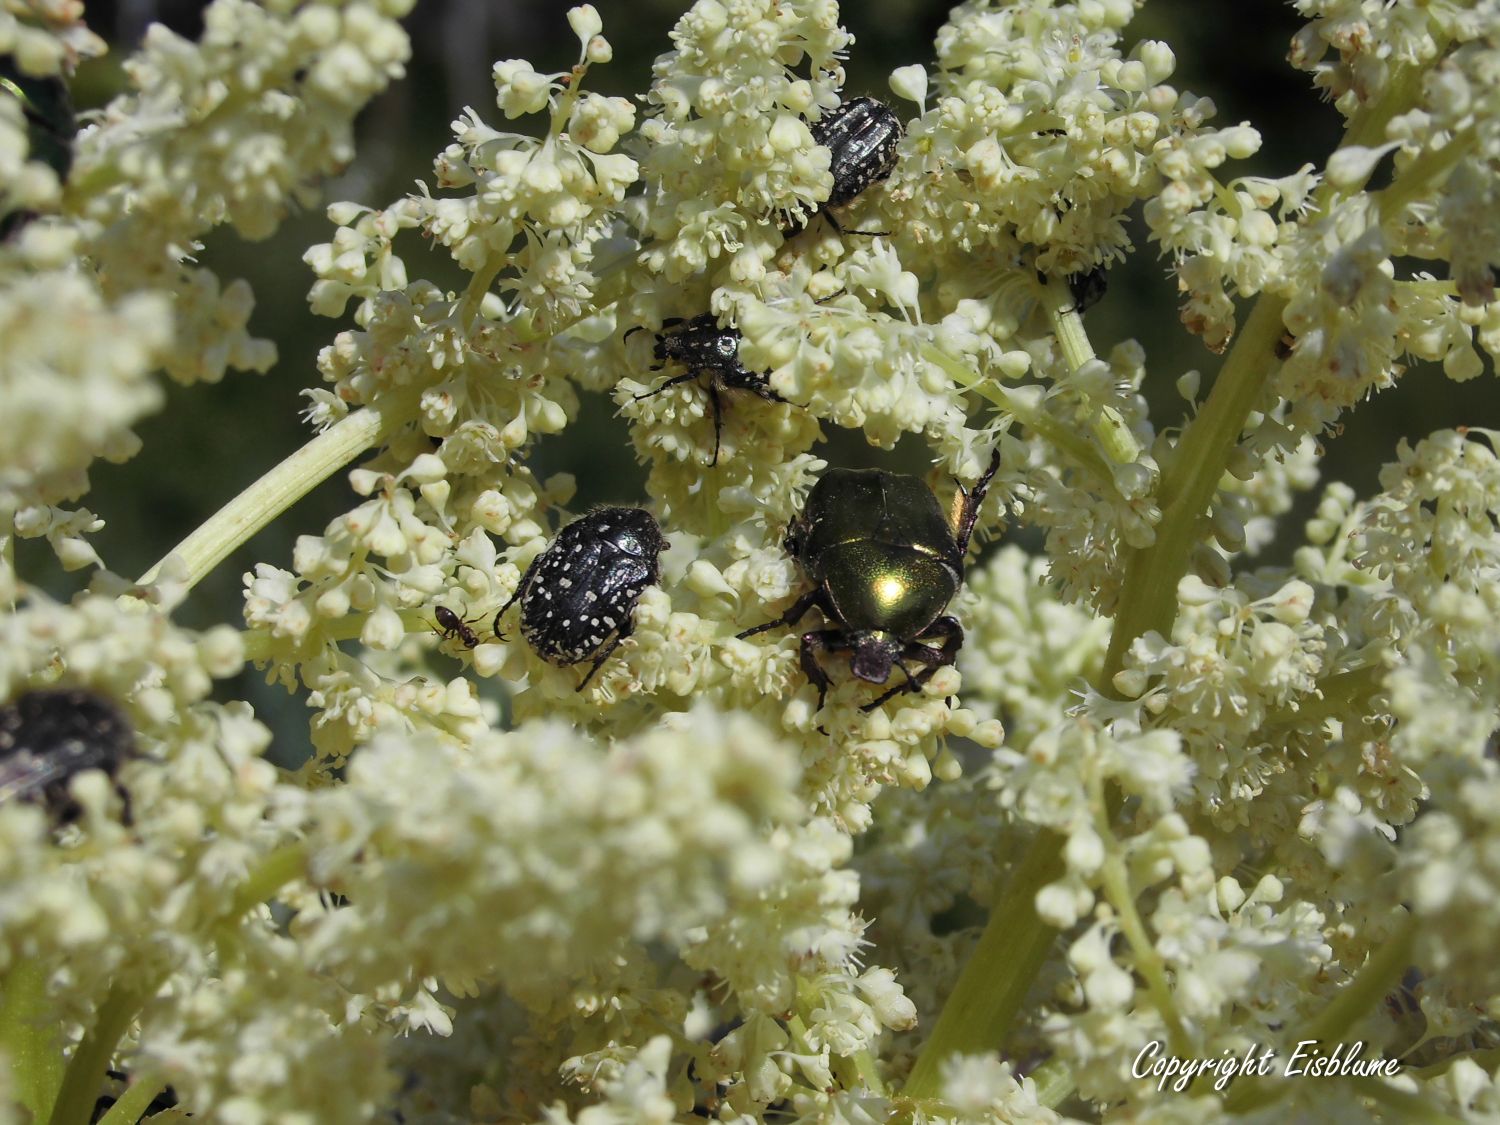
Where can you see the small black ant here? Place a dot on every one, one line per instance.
(450, 625)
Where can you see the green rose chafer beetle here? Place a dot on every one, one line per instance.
(884, 561)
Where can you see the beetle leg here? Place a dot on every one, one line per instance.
(833, 221)
(798, 609)
(952, 634)
(672, 382)
(499, 613)
(520, 589)
(713, 398)
(767, 392)
(624, 631)
(913, 683)
(815, 642)
(826, 213)
(969, 511)
(910, 685)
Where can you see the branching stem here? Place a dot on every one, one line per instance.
(1379, 974)
(1116, 881)
(91, 1057)
(279, 489)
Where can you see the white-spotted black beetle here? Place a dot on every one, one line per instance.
(578, 596)
(48, 736)
(884, 561)
(861, 136)
(704, 348)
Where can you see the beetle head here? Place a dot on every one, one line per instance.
(873, 654)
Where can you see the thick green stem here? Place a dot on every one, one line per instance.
(1187, 488)
(1054, 1083)
(1108, 426)
(1487, 1060)
(1149, 600)
(993, 985)
(1376, 977)
(85, 1073)
(282, 487)
(1015, 941)
(28, 1037)
(869, 1072)
(1420, 177)
(1067, 324)
(133, 1103)
(1336, 695)
(314, 463)
(275, 871)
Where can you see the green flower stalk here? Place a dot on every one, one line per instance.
(1171, 803)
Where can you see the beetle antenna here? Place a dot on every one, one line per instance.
(672, 382)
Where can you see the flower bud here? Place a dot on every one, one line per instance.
(585, 22)
(910, 82)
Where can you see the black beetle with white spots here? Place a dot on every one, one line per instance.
(578, 596)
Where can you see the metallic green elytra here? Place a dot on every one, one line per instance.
(885, 561)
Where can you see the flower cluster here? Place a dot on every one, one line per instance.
(234, 129)
(1147, 786)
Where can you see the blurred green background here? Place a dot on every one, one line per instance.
(211, 441)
